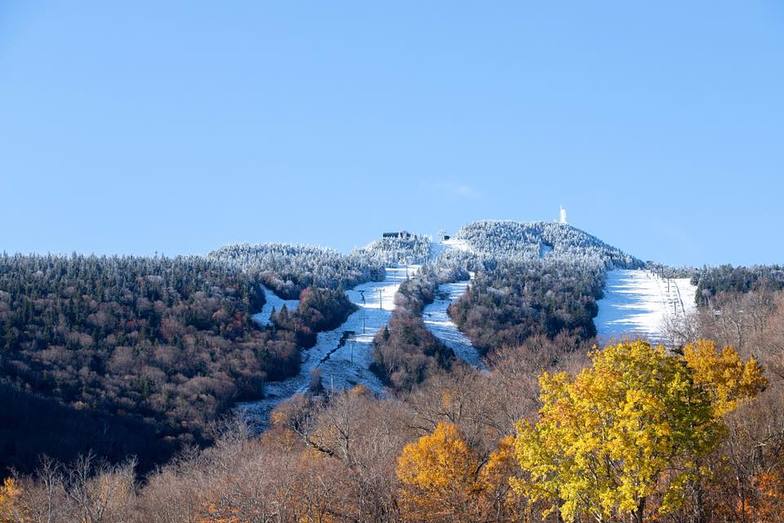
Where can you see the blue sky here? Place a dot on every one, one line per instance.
(137, 127)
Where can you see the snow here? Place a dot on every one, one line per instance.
(460, 245)
(436, 316)
(438, 322)
(342, 355)
(638, 303)
(273, 302)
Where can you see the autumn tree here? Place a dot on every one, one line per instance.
(438, 473)
(630, 428)
(723, 374)
(444, 479)
(9, 495)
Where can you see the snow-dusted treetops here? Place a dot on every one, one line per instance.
(546, 240)
(405, 249)
(290, 268)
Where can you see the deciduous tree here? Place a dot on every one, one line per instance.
(633, 425)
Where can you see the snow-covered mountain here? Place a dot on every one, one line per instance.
(510, 239)
(342, 355)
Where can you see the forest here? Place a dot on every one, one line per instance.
(515, 300)
(410, 250)
(525, 241)
(692, 435)
(152, 349)
(713, 281)
(289, 269)
(405, 353)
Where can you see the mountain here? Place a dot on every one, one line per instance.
(509, 239)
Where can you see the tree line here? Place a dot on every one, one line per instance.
(289, 269)
(527, 241)
(715, 281)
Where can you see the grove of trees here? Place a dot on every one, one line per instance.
(525, 241)
(715, 281)
(512, 301)
(405, 353)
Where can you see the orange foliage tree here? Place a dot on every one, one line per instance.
(442, 478)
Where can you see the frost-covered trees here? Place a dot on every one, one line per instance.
(288, 269)
(405, 352)
(407, 250)
(713, 281)
(509, 302)
(526, 241)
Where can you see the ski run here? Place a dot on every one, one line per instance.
(343, 355)
(639, 303)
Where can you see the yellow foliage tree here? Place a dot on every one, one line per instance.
(633, 424)
(724, 375)
(9, 495)
(443, 479)
(498, 497)
(438, 473)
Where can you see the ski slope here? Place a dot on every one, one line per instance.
(437, 321)
(343, 355)
(638, 303)
(273, 302)
(436, 314)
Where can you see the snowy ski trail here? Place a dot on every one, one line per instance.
(637, 304)
(342, 355)
(437, 321)
(436, 315)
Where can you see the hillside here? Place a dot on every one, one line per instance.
(526, 241)
(359, 357)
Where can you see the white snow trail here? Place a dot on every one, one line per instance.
(437, 321)
(637, 304)
(436, 314)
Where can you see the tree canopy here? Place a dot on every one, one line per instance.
(631, 427)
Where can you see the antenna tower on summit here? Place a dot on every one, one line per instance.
(562, 217)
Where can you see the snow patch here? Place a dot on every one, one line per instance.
(460, 245)
(273, 302)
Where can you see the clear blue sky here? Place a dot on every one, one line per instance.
(136, 127)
